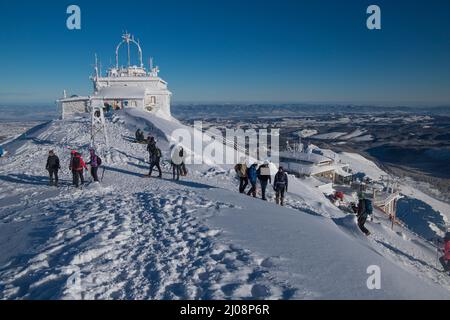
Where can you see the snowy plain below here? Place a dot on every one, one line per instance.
(146, 238)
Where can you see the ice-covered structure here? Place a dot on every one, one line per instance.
(306, 163)
(131, 86)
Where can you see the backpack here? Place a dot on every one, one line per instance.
(76, 163)
(158, 152)
(264, 171)
(251, 173)
(99, 161)
(368, 206)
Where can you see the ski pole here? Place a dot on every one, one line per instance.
(103, 173)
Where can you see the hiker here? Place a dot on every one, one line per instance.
(176, 160)
(183, 170)
(176, 170)
(95, 162)
(178, 166)
(364, 209)
(76, 166)
(139, 135)
(252, 177)
(446, 257)
(241, 170)
(52, 167)
(264, 178)
(151, 143)
(280, 185)
(154, 157)
(107, 107)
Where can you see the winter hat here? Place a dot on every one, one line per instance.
(73, 152)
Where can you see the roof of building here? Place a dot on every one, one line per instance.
(308, 169)
(71, 99)
(307, 157)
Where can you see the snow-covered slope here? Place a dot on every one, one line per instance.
(137, 238)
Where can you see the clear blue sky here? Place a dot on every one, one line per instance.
(235, 50)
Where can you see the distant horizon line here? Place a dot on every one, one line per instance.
(264, 103)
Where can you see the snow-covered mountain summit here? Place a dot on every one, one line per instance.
(198, 238)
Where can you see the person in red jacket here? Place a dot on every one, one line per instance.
(76, 166)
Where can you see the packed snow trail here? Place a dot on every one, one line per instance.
(137, 238)
(143, 245)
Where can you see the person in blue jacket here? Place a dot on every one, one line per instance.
(252, 178)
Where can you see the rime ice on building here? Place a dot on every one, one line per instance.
(130, 86)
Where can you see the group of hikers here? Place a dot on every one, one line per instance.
(252, 174)
(248, 175)
(76, 166)
(155, 154)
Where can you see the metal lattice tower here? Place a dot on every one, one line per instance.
(99, 134)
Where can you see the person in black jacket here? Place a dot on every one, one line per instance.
(363, 213)
(139, 135)
(53, 167)
(280, 185)
(151, 144)
(264, 178)
(154, 157)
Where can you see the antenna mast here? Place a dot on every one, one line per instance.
(96, 67)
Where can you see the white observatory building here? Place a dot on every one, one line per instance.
(130, 86)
